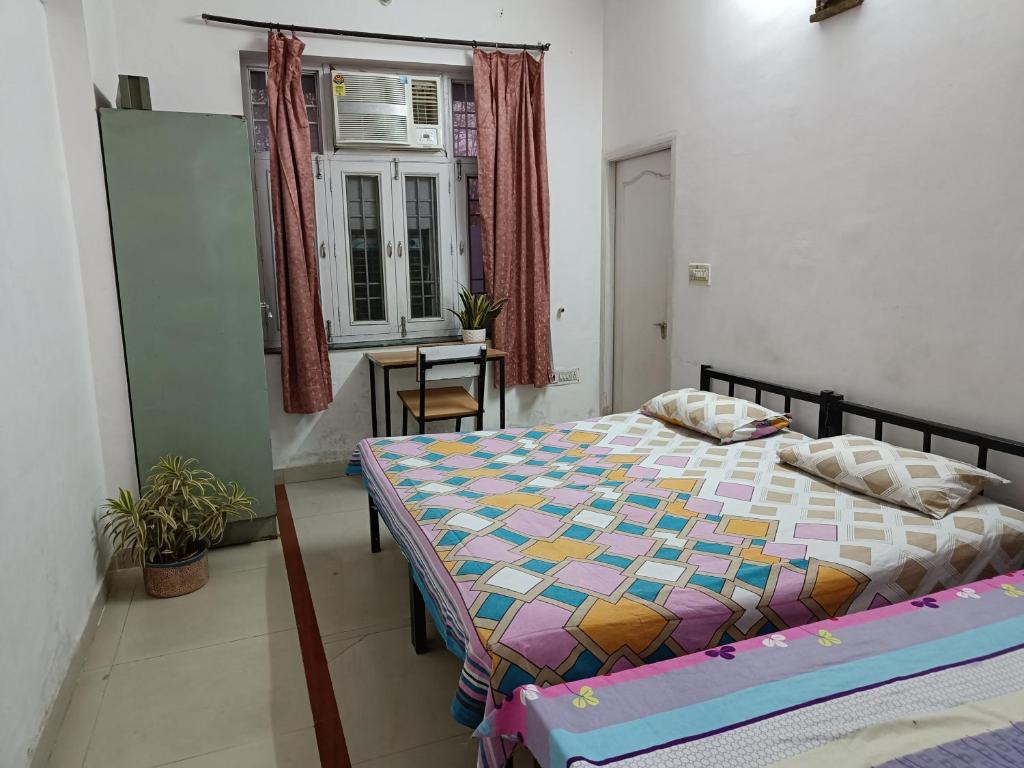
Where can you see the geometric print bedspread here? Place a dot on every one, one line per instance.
(930, 683)
(557, 553)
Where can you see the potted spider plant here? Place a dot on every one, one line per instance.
(181, 512)
(476, 314)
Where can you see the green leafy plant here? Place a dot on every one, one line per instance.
(478, 311)
(182, 508)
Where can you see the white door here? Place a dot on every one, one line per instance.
(642, 274)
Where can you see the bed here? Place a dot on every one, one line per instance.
(557, 553)
(932, 682)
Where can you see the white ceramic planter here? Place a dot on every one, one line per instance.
(474, 335)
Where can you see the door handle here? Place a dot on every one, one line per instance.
(323, 250)
(664, 328)
(389, 249)
(399, 249)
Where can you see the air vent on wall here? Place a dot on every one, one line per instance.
(424, 101)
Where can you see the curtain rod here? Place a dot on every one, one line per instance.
(372, 35)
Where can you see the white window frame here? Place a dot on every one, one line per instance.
(444, 323)
(341, 169)
(464, 167)
(392, 167)
(265, 248)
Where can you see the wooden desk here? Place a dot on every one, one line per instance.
(390, 360)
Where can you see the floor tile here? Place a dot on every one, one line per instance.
(188, 704)
(459, 752)
(390, 699)
(334, 648)
(79, 720)
(122, 586)
(315, 471)
(245, 557)
(327, 497)
(352, 589)
(231, 606)
(289, 750)
(370, 629)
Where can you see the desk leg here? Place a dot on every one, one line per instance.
(501, 391)
(387, 402)
(417, 616)
(373, 395)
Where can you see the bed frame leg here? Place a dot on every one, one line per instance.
(511, 761)
(417, 616)
(374, 527)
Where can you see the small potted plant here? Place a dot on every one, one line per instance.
(181, 512)
(478, 312)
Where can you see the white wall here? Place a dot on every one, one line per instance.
(856, 186)
(70, 22)
(195, 67)
(51, 461)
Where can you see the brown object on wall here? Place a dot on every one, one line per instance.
(826, 9)
(514, 207)
(305, 364)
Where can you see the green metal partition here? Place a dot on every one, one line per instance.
(181, 211)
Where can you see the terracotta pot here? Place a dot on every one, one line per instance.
(474, 335)
(180, 578)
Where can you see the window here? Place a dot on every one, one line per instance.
(397, 231)
(260, 114)
(463, 120)
(475, 236)
(424, 268)
(363, 195)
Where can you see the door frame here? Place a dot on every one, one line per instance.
(611, 159)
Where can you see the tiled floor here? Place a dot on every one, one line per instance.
(215, 678)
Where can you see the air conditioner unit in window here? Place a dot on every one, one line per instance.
(375, 109)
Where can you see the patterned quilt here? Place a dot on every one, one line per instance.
(929, 683)
(557, 553)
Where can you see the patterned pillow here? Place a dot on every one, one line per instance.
(727, 419)
(931, 484)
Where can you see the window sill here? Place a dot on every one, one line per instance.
(341, 346)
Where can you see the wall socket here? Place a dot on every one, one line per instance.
(566, 376)
(700, 274)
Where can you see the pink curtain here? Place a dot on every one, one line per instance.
(305, 365)
(514, 208)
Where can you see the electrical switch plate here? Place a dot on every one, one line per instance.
(700, 274)
(566, 376)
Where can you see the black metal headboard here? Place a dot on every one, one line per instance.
(825, 399)
(928, 429)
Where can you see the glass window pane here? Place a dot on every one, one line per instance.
(463, 120)
(422, 245)
(312, 98)
(475, 237)
(365, 259)
(309, 89)
(257, 86)
(258, 106)
(260, 136)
